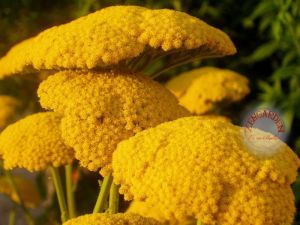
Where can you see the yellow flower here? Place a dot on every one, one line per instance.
(115, 219)
(101, 109)
(34, 143)
(200, 89)
(8, 108)
(152, 211)
(17, 59)
(197, 167)
(116, 35)
(27, 189)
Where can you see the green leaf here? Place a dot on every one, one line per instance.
(288, 118)
(297, 149)
(288, 3)
(262, 52)
(285, 17)
(278, 88)
(265, 86)
(295, 85)
(263, 8)
(276, 30)
(265, 23)
(289, 57)
(268, 93)
(296, 189)
(286, 72)
(296, 8)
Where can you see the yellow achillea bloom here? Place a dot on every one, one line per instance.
(115, 35)
(27, 189)
(201, 168)
(34, 143)
(140, 208)
(200, 89)
(8, 108)
(152, 211)
(101, 109)
(115, 219)
(17, 57)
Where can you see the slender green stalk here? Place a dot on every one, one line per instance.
(199, 222)
(60, 194)
(114, 199)
(27, 214)
(70, 191)
(12, 216)
(103, 194)
(288, 119)
(177, 5)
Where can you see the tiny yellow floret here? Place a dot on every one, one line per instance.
(35, 143)
(200, 168)
(115, 219)
(201, 89)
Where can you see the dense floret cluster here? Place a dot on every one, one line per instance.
(197, 167)
(34, 143)
(154, 211)
(115, 219)
(101, 109)
(116, 34)
(201, 89)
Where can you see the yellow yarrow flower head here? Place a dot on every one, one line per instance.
(17, 59)
(102, 108)
(201, 89)
(8, 109)
(114, 219)
(127, 36)
(34, 143)
(27, 189)
(200, 168)
(153, 211)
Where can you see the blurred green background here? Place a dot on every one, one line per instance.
(266, 34)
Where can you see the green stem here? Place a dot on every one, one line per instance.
(70, 191)
(114, 199)
(199, 222)
(288, 119)
(27, 214)
(177, 5)
(12, 216)
(103, 194)
(60, 194)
